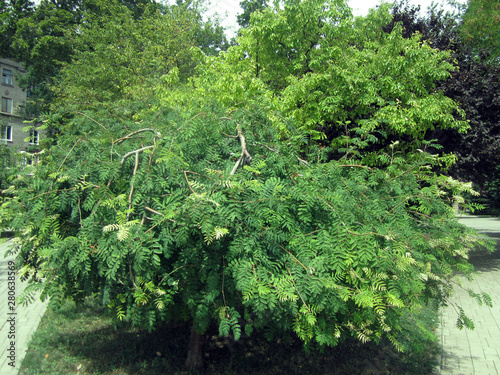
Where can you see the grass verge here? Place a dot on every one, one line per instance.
(82, 340)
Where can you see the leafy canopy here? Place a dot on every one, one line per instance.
(333, 76)
(475, 85)
(166, 222)
(480, 26)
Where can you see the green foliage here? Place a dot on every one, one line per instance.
(154, 217)
(127, 60)
(475, 85)
(11, 12)
(334, 77)
(480, 26)
(249, 7)
(55, 33)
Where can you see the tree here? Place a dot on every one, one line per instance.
(480, 25)
(170, 204)
(334, 77)
(475, 86)
(127, 61)
(45, 41)
(209, 34)
(10, 13)
(249, 7)
(176, 228)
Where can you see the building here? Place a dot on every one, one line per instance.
(11, 122)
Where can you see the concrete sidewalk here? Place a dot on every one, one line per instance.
(476, 352)
(17, 323)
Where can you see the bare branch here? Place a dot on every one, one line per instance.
(187, 180)
(355, 166)
(233, 171)
(230, 136)
(132, 183)
(69, 152)
(124, 157)
(128, 136)
(244, 151)
(153, 211)
(132, 278)
(302, 161)
(90, 118)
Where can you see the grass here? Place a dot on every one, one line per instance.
(82, 340)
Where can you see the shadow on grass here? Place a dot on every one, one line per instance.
(81, 340)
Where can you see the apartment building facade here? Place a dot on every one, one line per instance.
(13, 98)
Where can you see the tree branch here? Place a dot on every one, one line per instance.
(187, 180)
(132, 183)
(128, 136)
(90, 118)
(244, 151)
(124, 157)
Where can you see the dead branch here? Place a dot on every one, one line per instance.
(124, 157)
(90, 118)
(244, 151)
(128, 136)
(153, 211)
(355, 166)
(132, 183)
(187, 180)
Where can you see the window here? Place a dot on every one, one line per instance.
(28, 159)
(7, 77)
(33, 137)
(7, 105)
(5, 160)
(6, 133)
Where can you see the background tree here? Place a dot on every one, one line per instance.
(344, 77)
(49, 37)
(480, 26)
(11, 12)
(249, 7)
(45, 41)
(475, 85)
(209, 34)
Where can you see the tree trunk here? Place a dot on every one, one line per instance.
(194, 360)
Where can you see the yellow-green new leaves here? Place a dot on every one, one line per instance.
(123, 230)
(216, 234)
(386, 83)
(322, 72)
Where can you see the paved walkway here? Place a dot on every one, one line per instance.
(17, 323)
(476, 352)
